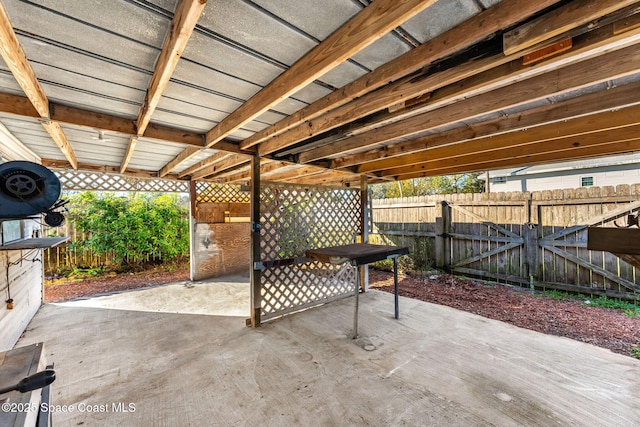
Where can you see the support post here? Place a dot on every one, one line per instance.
(395, 287)
(443, 238)
(531, 245)
(256, 284)
(193, 204)
(446, 234)
(364, 229)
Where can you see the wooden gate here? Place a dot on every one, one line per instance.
(534, 239)
(566, 263)
(487, 241)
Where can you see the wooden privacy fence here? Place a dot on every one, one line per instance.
(65, 257)
(528, 238)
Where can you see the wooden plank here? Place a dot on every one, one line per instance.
(601, 68)
(184, 21)
(211, 212)
(627, 24)
(558, 22)
(617, 98)
(220, 166)
(221, 249)
(614, 240)
(370, 24)
(606, 148)
(596, 269)
(547, 52)
(590, 145)
(57, 134)
(131, 146)
(15, 58)
(92, 119)
(201, 164)
(186, 154)
(466, 34)
(242, 210)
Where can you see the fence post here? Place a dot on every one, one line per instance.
(443, 240)
(531, 235)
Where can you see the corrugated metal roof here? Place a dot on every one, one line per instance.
(99, 58)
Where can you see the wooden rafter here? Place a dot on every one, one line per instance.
(184, 22)
(624, 122)
(549, 26)
(589, 144)
(203, 164)
(371, 23)
(267, 166)
(15, 58)
(605, 67)
(138, 173)
(410, 151)
(608, 147)
(187, 153)
(469, 32)
(227, 163)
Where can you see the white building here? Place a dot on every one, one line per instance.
(600, 172)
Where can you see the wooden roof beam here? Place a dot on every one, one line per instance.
(551, 26)
(228, 162)
(419, 86)
(266, 166)
(374, 21)
(139, 173)
(464, 35)
(601, 68)
(556, 149)
(606, 148)
(203, 164)
(410, 152)
(15, 58)
(184, 22)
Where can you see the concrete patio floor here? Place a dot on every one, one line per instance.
(434, 366)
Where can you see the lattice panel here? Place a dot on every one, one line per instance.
(83, 180)
(295, 218)
(208, 192)
(295, 287)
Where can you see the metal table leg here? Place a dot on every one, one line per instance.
(355, 313)
(395, 286)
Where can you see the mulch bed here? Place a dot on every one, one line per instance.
(569, 318)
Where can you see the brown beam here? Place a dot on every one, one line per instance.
(559, 22)
(15, 58)
(576, 128)
(592, 144)
(416, 86)
(605, 149)
(594, 103)
(139, 173)
(203, 164)
(559, 80)
(464, 35)
(184, 22)
(227, 163)
(370, 24)
(187, 153)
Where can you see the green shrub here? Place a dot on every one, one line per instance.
(132, 228)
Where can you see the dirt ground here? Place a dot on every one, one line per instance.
(573, 319)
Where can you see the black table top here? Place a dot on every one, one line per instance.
(357, 253)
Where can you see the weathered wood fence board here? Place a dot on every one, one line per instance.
(526, 238)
